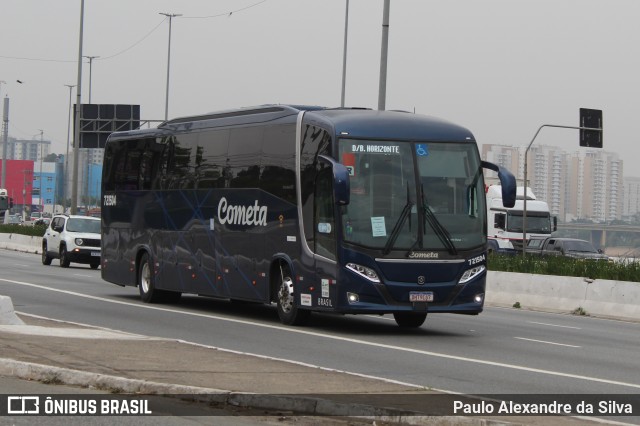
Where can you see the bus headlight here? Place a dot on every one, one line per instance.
(368, 273)
(470, 274)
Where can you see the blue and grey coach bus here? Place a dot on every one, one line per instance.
(349, 211)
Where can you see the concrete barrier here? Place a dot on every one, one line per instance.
(18, 242)
(7, 314)
(602, 298)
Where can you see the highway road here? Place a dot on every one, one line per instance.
(501, 351)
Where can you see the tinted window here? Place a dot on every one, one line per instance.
(243, 164)
(181, 166)
(278, 162)
(211, 158)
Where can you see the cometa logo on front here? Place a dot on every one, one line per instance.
(242, 215)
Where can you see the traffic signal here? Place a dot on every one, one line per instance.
(591, 118)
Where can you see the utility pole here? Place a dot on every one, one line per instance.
(344, 54)
(5, 141)
(66, 157)
(5, 128)
(41, 201)
(90, 58)
(382, 91)
(166, 103)
(76, 139)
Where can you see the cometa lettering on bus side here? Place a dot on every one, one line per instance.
(242, 215)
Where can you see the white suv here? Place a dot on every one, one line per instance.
(72, 239)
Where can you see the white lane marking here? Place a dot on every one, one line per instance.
(548, 343)
(554, 325)
(340, 338)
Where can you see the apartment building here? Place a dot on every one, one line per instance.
(585, 184)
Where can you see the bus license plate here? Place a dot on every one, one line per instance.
(422, 296)
(95, 253)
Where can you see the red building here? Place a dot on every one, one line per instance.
(19, 181)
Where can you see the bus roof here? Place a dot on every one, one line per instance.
(365, 123)
(347, 122)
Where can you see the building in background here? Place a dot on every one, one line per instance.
(585, 184)
(27, 149)
(19, 184)
(631, 198)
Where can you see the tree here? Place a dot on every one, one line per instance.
(51, 158)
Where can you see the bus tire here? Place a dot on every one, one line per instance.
(147, 282)
(288, 310)
(409, 319)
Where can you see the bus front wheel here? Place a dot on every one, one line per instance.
(288, 310)
(409, 319)
(147, 285)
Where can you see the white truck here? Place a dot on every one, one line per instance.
(504, 225)
(4, 204)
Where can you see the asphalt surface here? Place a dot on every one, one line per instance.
(54, 352)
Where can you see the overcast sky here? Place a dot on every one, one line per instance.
(501, 68)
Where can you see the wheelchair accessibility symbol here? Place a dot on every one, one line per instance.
(422, 150)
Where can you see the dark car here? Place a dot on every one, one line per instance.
(568, 247)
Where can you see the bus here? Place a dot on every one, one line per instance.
(313, 209)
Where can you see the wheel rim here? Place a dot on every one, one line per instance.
(285, 295)
(145, 278)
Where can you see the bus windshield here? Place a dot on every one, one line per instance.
(413, 196)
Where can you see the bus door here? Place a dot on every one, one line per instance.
(325, 245)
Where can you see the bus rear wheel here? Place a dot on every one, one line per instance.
(409, 319)
(288, 310)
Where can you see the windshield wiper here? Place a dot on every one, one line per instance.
(399, 224)
(440, 231)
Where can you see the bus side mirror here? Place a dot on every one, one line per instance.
(507, 181)
(555, 223)
(341, 188)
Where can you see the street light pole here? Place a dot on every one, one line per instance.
(90, 58)
(5, 128)
(382, 90)
(76, 138)
(41, 201)
(344, 54)
(66, 157)
(5, 140)
(166, 104)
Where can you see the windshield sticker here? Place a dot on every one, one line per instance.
(349, 161)
(378, 228)
(422, 150)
